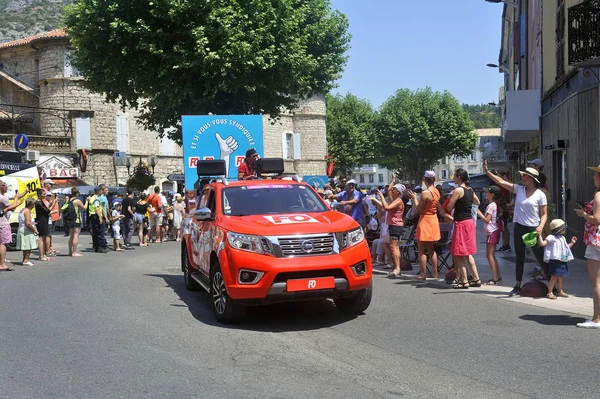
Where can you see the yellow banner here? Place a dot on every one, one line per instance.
(19, 182)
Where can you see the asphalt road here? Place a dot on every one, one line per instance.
(122, 325)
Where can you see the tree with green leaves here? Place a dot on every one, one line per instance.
(174, 57)
(417, 128)
(350, 131)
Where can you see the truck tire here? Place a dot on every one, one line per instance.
(226, 310)
(356, 304)
(190, 283)
(12, 246)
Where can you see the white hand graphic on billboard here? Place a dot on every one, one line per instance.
(226, 147)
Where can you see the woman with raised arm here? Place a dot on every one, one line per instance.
(530, 214)
(395, 211)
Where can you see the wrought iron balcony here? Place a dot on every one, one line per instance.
(495, 155)
(584, 34)
(44, 144)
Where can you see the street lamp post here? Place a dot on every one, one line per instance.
(141, 168)
(502, 68)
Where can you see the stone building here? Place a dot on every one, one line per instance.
(42, 95)
(488, 146)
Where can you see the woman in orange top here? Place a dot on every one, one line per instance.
(428, 227)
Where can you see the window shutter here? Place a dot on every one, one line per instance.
(122, 134)
(68, 71)
(284, 151)
(296, 143)
(83, 133)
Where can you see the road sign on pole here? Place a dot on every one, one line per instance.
(176, 177)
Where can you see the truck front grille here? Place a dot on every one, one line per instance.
(306, 245)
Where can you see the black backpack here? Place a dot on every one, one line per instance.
(69, 213)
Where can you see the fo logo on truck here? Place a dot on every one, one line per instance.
(239, 160)
(288, 219)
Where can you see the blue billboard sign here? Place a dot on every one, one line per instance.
(225, 137)
(318, 181)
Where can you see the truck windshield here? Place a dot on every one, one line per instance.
(270, 199)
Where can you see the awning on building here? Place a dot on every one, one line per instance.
(19, 83)
(64, 183)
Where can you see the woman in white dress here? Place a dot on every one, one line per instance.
(178, 210)
(27, 234)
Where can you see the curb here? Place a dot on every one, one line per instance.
(581, 306)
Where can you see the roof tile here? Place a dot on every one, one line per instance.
(56, 33)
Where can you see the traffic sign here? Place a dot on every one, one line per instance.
(21, 141)
(176, 177)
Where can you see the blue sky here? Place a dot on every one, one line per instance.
(444, 44)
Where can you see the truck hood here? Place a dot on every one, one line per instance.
(289, 223)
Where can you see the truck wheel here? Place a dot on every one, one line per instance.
(356, 304)
(226, 309)
(190, 283)
(12, 246)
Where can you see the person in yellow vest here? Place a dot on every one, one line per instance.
(96, 217)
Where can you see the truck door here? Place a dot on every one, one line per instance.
(206, 233)
(196, 232)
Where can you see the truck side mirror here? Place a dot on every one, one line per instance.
(201, 214)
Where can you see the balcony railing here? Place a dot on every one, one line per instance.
(494, 155)
(47, 144)
(584, 35)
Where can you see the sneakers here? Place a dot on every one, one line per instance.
(504, 248)
(128, 246)
(589, 324)
(515, 291)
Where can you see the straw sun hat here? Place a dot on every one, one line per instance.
(534, 174)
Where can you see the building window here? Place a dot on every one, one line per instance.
(122, 134)
(444, 174)
(472, 168)
(83, 134)
(290, 143)
(36, 68)
(70, 71)
(445, 160)
(289, 146)
(473, 157)
(371, 178)
(381, 178)
(362, 178)
(167, 146)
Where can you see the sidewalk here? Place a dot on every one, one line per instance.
(577, 284)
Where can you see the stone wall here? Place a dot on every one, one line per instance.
(308, 119)
(102, 170)
(21, 61)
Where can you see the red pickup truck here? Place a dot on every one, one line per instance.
(256, 242)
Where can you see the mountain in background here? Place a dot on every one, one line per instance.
(484, 116)
(22, 18)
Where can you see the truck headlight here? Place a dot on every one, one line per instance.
(354, 237)
(245, 242)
